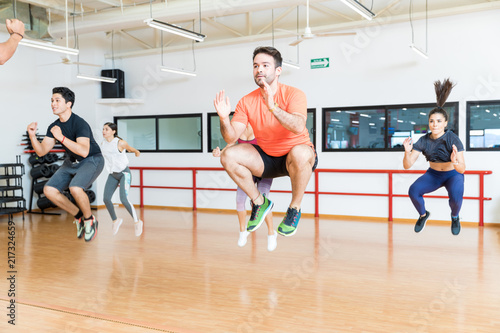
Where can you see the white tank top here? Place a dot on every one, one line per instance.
(116, 161)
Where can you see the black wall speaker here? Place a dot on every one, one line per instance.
(113, 90)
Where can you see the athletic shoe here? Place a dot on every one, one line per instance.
(259, 213)
(288, 227)
(419, 226)
(243, 238)
(455, 225)
(80, 227)
(138, 228)
(90, 229)
(272, 241)
(116, 226)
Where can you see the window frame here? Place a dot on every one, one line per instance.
(157, 133)
(430, 106)
(468, 129)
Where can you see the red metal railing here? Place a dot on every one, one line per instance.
(390, 195)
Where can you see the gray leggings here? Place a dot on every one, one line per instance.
(123, 178)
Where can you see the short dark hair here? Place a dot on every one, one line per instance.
(66, 93)
(269, 50)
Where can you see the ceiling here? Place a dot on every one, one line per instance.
(226, 22)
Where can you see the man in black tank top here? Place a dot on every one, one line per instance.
(83, 164)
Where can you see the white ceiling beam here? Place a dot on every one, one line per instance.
(222, 26)
(276, 20)
(330, 28)
(134, 39)
(176, 11)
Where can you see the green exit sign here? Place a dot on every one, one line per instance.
(320, 63)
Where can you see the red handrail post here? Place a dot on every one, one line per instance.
(194, 189)
(481, 199)
(390, 195)
(316, 193)
(141, 186)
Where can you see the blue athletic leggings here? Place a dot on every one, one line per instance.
(430, 181)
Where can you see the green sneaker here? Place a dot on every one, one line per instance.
(288, 227)
(259, 213)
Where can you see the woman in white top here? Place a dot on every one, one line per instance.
(113, 149)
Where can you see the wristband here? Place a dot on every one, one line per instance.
(17, 33)
(273, 108)
(63, 139)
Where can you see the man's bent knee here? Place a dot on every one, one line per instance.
(75, 190)
(50, 191)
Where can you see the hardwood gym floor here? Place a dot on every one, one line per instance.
(187, 274)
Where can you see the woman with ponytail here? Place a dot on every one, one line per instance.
(445, 153)
(113, 149)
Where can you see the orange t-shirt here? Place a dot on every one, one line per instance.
(272, 137)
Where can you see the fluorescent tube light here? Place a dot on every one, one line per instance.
(174, 29)
(291, 64)
(360, 9)
(96, 78)
(419, 51)
(48, 46)
(177, 71)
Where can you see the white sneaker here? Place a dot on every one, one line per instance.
(116, 225)
(138, 228)
(243, 238)
(272, 242)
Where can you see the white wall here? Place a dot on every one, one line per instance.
(373, 68)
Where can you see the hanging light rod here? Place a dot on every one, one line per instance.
(358, 7)
(48, 46)
(96, 78)
(291, 64)
(174, 29)
(177, 71)
(419, 51)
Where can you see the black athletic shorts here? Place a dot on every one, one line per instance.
(276, 166)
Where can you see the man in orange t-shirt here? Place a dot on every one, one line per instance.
(277, 114)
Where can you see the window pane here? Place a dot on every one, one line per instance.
(311, 125)
(182, 133)
(413, 121)
(139, 133)
(356, 129)
(215, 138)
(484, 125)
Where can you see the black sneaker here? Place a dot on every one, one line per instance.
(419, 226)
(455, 225)
(288, 226)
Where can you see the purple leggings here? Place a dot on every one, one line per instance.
(430, 181)
(263, 185)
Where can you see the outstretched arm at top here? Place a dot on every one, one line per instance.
(16, 31)
(410, 154)
(230, 131)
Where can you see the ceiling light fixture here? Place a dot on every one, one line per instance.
(48, 46)
(177, 71)
(96, 78)
(291, 64)
(413, 46)
(174, 29)
(360, 9)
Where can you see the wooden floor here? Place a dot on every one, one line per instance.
(187, 274)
